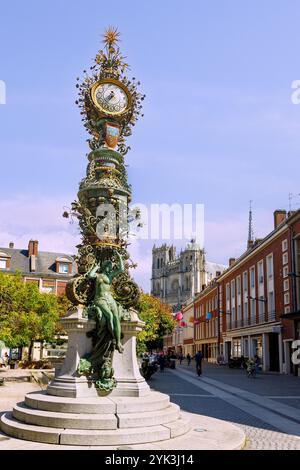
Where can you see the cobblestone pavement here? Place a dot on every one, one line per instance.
(263, 407)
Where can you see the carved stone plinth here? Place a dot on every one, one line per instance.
(67, 382)
(126, 369)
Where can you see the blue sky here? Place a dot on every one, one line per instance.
(219, 127)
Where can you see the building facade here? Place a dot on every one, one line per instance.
(188, 346)
(181, 341)
(253, 307)
(255, 295)
(49, 271)
(206, 323)
(294, 243)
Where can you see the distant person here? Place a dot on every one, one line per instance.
(161, 362)
(188, 358)
(257, 363)
(180, 357)
(6, 359)
(198, 360)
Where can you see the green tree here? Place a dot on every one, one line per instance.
(158, 322)
(26, 314)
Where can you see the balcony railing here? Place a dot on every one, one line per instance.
(266, 317)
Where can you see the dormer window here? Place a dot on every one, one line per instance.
(2, 263)
(63, 266)
(4, 260)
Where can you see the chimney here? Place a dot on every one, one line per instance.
(11, 245)
(32, 263)
(33, 247)
(231, 261)
(279, 217)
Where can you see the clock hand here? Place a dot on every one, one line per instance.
(111, 95)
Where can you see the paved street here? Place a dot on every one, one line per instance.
(266, 407)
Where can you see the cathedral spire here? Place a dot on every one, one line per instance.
(250, 227)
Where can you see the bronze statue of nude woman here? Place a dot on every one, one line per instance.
(103, 303)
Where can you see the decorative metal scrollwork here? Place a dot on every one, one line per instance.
(126, 291)
(79, 290)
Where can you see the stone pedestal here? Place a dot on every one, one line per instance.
(67, 382)
(72, 413)
(130, 383)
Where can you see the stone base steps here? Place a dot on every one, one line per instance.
(152, 402)
(81, 437)
(101, 421)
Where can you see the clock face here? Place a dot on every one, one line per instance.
(110, 98)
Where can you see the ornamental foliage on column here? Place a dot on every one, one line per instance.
(110, 106)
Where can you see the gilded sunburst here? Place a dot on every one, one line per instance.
(111, 36)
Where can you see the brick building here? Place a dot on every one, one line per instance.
(50, 271)
(206, 326)
(188, 346)
(253, 307)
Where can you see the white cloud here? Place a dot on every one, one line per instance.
(27, 217)
(23, 218)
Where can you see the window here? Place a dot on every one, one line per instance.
(284, 245)
(261, 307)
(48, 286)
(253, 310)
(260, 272)
(252, 277)
(245, 281)
(236, 346)
(2, 263)
(63, 268)
(239, 312)
(285, 271)
(270, 266)
(271, 302)
(286, 284)
(227, 297)
(233, 289)
(238, 283)
(245, 310)
(285, 258)
(287, 309)
(286, 298)
(233, 299)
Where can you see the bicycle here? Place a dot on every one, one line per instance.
(251, 371)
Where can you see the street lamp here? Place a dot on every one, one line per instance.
(293, 275)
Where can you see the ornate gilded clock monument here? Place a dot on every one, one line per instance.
(98, 397)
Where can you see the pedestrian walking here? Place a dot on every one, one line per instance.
(180, 357)
(161, 362)
(188, 358)
(257, 363)
(198, 359)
